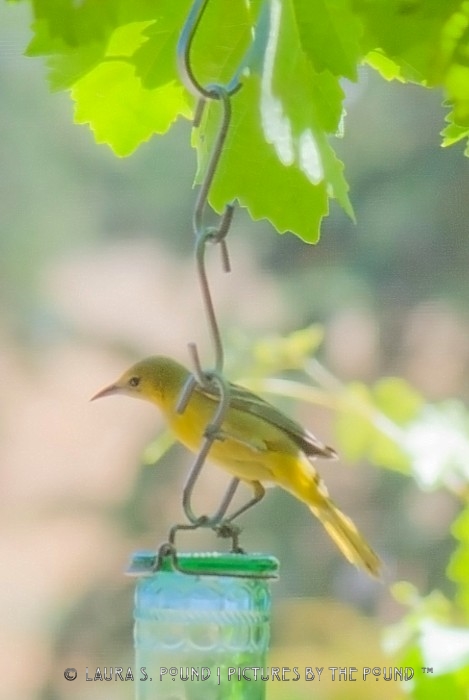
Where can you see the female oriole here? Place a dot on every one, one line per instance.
(259, 444)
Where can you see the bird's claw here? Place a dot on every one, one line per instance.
(227, 530)
(213, 433)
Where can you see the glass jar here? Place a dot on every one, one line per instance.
(202, 634)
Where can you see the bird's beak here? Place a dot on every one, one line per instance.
(107, 391)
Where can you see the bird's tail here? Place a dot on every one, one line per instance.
(346, 536)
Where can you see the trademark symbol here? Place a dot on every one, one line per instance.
(427, 669)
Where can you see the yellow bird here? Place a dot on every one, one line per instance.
(259, 444)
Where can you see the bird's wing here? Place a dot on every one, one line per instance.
(246, 401)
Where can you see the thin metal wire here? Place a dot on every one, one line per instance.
(207, 234)
(221, 93)
(212, 433)
(200, 248)
(225, 530)
(212, 380)
(183, 53)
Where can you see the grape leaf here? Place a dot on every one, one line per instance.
(374, 422)
(409, 32)
(77, 23)
(454, 132)
(458, 567)
(119, 58)
(120, 111)
(66, 64)
(330, 35)
(277, 161)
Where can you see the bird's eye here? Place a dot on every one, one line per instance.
(134, 381)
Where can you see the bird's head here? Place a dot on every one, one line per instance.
(149, 379)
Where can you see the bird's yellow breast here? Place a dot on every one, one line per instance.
(249, 447)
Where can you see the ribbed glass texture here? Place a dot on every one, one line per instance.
(200, 637)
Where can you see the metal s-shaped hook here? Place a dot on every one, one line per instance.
(203, 233)
(213, 234)
(212, 433)
(207, 234)
(223, 95)
(183, 55)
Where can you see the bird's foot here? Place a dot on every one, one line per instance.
(228, 530)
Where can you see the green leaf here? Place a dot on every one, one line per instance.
(77, 23)
(75, 37)
(453, 132)
(409, 33)
(155, 60)
(454, 52)
(387, 452)
(277, 161)
(223, 39)
(66, 64)
(437, 650)
(220, 43)
(365, 429)
(277, 353)
(120, 111)
(460, 527)
(424, 41)
(427, 686)
(458, 567)
(457, 91)
(251, 172)
(388, 69)
(125, 40)
(397, 399)
(290, 56)
(329, 33)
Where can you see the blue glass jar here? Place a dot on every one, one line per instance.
(202, 634)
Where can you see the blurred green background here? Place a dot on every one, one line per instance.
(96, 270)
